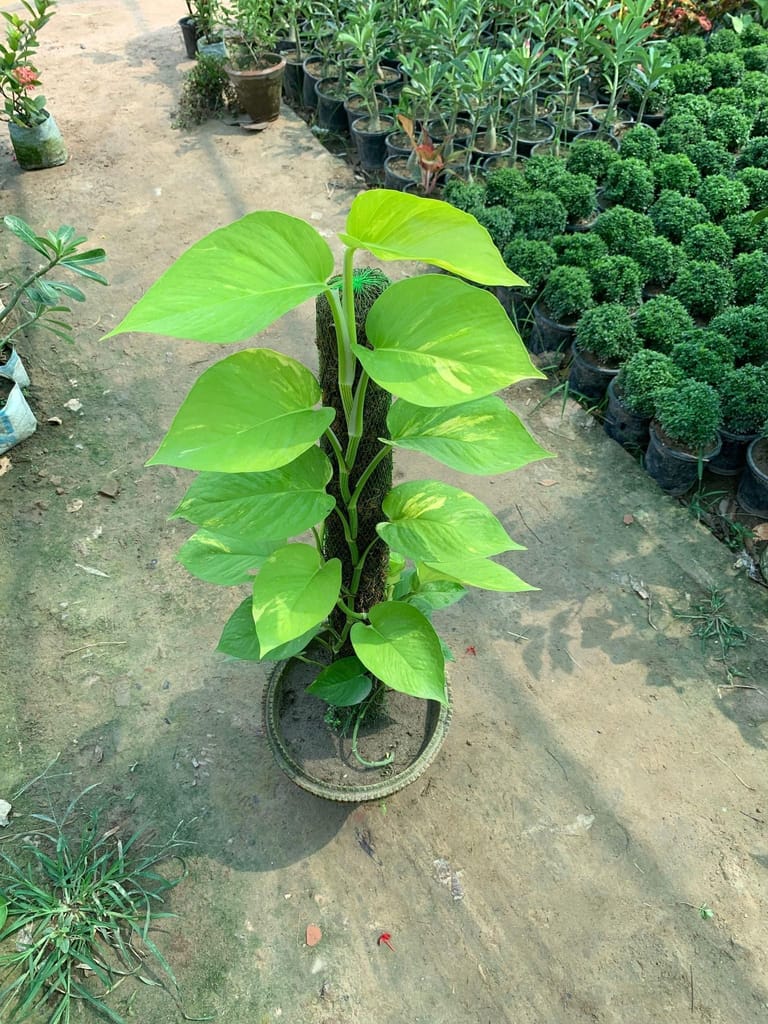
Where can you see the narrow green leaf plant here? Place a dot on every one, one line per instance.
(283, 455)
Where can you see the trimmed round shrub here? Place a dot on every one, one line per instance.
(746, 327)
(532, 260)
(675, 171)
(689, 414)
(608, 334)
(725, 69)
(541, 171)
(729, 126)
(691, 47)
(630, 183)
(659, 259)
(704, 288)
(663, 322)
(539, 214)
(567, 294)
(755, 180)
(754, 153)
(725, 40)
(503, 187)
(742, 229)
(711, 157)
(750, 276)
(756, 57)
(591, 156)
(722, 196)
(640, 143)
(703, 355)
(679, 132)
(464, 195)
(689, 103)
(621, 229)
(674, 215)
(656, 101)
(577, 194)
(617, 279)
(760, 117)
(733, 96)
(708, 242)
(754, 85)
(691, 76)
(753, 35)
(744, 399)
(498, 222)
(580, 249)
(642, 375)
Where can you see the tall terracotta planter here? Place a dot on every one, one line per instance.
(259, 90)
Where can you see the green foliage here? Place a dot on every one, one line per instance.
(662, 322)
(722, 196)
(464, 195)
(725, 69)
(708, 242)
(755, 180)
(750, 276)
(577, 194)
(744, 399)
(754, 34)
(745, 234)
(691, 47)
(642, 375)
(691, 76)
(531, 259)
(503, 187)
(630, 183)
(498, 221)
(679, 132)
(659, 260)
(674, 215)
(541, 171)
(754, 85)
(567, 294)
(640, 143)
(591, 156)
(693, 105)
(19, 78)
(675, 171)
(725, 40)
(252, 423)
(754, 153)
(704, 288)
(756, 58)
(607, 333)
(689, 414)
(80, 903)
(540, 215)
(729, 126)
(746, 327)
(580, 249)
(703, 355)
(617, 279)
(205, 92)
(711, 158)
(622, 229)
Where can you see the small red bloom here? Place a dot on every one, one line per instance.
(384, 938)
(471, 650)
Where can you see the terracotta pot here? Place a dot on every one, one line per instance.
(259, 90)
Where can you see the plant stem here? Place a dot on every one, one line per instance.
(362, 712)
(23, 287)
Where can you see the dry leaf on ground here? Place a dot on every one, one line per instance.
(760, 531)
(547, 483)
(313, 935)
(5, 465)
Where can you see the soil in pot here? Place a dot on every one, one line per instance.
(482, 147)
(260, 89)
(396, 173)
(331, 114)
(398, 144)
(317, 754)
(753, 485)
(532, 132)
(371, 144)
(314, 69)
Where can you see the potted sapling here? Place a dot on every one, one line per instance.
(366, 37)
(675, 171)
(662, 322)
(605, 337)
(630, 184)
(631, 395)
(593, 157)
(660, 262)
(563, 299)
(704, 288)
(534, 261)
(254, 68)
(752, 494)
(683, 435)
(744, 401)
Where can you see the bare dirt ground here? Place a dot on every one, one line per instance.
(601, 781)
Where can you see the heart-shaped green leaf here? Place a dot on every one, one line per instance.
(226, 558)
(434, 522)
(289, 499)
(438, 341)
(236, 281)
(239, 639)
(475, 572)
(396, 226)
(294, 591)
(479, 437)
(401, 647)
(251, 412)
(342, 683)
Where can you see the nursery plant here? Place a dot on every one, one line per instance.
(630, 183)
(708, 242)
(689, 415)
(704, 288)
(675, 171)
(607, 335)
(533, 260)
(659, 260)
(277, 455)
(662, 322)
(617, 279)
(703, 355)
(591, 156)
(750, 276)
(640, 143)
(746, 327)
(19, 78)
(567, 294)
(622, 229)
(641, 376)
(744, 399)
(205, 92)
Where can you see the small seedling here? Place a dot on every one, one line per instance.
(705, 912)
(710, 623)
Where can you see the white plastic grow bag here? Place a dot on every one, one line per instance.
(17, 421)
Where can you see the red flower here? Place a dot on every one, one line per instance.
(26, 77)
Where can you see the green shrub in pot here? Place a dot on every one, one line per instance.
(754, 85)
(622, 229)
(704, 288)
(503, 187)
(689, 415)
(674, 215)
(498, 221)
(617, 279)
(642, 375)
(593, 157)
(722, 197)
(750, 276)
(640, 143)
(725, 40)
(756, 58)
(745, 234)
(659, 260)
(579, 249)
(606, 334)
(577, 194)
(754, 34)
(662, 322)
(691, 76)
(691, 105)
(567, 294)
(754, 153)
(760, 117)
(541, 171)
(729, 126)
(711, 157)
(539, 214)
(254, 427)
(703, 355)
(630, 183)
(755, 180)
(708, 242)
(675, 171)
(744, 398)
(691, 47)
(725, 69)
(467, 196)
(533, 260)
(746, 327)
(679, 132)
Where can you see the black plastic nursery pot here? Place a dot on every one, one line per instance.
(189, 35)
(293, 77)
(548, 335)
(732, 458)
(622, 424)
(313, 70)
(675, 471)
(371, 145)
(331, 114)
(396, 175)
(532, 133)
(752, 494)
(321, 761)
(587, 378)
